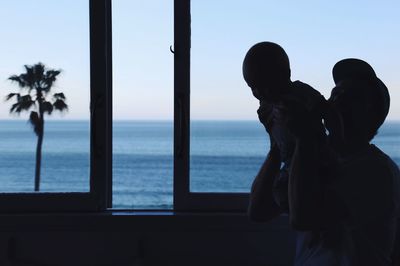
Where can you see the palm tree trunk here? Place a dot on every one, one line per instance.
(39, 156)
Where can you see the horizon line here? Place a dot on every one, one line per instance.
(157, 120)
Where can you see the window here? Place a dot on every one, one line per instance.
(228, 144)
(226, 153)
(184, 198)
(142, 104)
(169, 127)
(65, 141)
(54, 37)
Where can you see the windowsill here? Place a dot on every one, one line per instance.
(140, 221)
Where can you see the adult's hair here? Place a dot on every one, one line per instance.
(356, 70)
(267, 59)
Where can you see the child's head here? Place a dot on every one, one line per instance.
(266, 70)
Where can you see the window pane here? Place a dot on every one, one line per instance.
(228, 144)
(56, 34)
(142, 104)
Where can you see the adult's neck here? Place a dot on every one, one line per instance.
(352, 147)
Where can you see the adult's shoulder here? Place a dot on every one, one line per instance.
(368, 184)
(390, 168)
(387, 177)
(383, 160)
(375, 163)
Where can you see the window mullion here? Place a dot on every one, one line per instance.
(101, 102)
(181, 102)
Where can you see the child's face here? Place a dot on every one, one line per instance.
(262, 86)
(263, 90)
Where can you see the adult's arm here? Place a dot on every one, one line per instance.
(305, 191)
(262, 206)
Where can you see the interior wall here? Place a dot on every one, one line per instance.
(184, 241)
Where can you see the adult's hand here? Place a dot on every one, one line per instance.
(302, 122)
(265, 115)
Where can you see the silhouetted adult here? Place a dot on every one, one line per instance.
(266, 70)
(347, 214)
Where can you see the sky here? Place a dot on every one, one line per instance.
(315, 35)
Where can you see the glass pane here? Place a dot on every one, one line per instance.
(56, 34)
(142, 104)
(228, 144)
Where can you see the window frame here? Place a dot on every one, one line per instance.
(184, 199)
(98, 197)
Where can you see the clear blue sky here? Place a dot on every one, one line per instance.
(315, 34)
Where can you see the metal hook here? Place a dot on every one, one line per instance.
(170, 48)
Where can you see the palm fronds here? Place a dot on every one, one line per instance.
(60, 105)
(38, 81)
(10, 95)
(24, 103)
(47, 107)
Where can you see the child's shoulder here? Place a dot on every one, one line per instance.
(304, 88)
(305, 93)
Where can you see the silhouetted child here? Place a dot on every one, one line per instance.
(266, 70)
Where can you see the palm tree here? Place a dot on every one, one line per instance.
(35, 86)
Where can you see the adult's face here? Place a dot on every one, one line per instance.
(351, 101)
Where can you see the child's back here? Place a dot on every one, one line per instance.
(299, 93)
(306, 97)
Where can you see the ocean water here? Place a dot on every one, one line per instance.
(225, 157)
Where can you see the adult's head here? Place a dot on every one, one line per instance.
(266, 69)
(361, 98)
(352, 68)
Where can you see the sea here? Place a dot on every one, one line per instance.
(224, 157)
